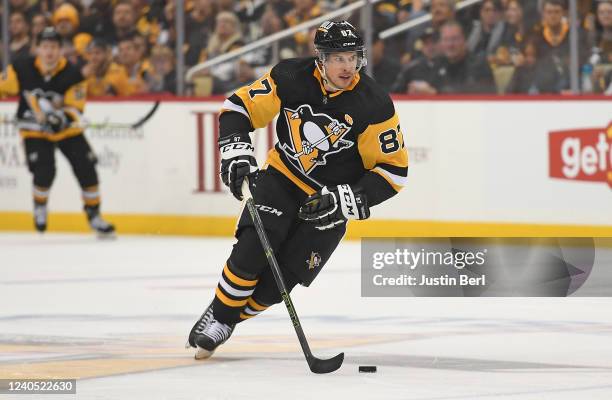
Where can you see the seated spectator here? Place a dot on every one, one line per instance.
(137, 68)
(456, 70)
(536, 76)
(415, 76)
(26, 7)
(103, 76)
(98, 19)
(552, 36)
(199, 25)
(603, 33)
(303, 10)
(442, 11)
(20, 36)
(66, 22)
(486, 32)
(38, 23)
(124, 22)
(162, 77)
(227, 37)
(384, 67)
(514, 31)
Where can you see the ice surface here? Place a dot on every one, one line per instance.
(115, 315)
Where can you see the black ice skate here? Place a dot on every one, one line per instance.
(40, 217)
(199, 327)
(215, 334)
(97, 224)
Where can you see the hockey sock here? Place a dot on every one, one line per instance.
(40, 194)
(231, 295)
(91, 196)
(252, 309)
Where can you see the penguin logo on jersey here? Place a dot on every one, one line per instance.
(313, 137)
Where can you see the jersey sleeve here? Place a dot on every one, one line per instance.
(74, 101)
(9, 84)
(384, 155)
(259, 101)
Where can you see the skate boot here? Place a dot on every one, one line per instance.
(40, 217)
(97, 224)
(200, 326)
(215, 334)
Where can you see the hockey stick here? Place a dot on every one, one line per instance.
(102, 125)
(317, 365)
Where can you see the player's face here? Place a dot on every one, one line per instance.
(341, 68)
(49, 52)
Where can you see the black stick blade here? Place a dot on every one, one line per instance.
(147, 117)
(319, 366)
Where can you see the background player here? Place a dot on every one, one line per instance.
(340, 151)
(52, 95)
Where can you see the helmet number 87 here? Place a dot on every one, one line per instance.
(389, 141)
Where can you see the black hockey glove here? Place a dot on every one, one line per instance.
(237, 161)
(333, 206)
(56, 121)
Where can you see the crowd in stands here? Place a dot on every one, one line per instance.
(128, 47)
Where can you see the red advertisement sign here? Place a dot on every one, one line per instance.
(581, 154)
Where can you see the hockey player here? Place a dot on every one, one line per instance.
(340, 151)
(51, 100)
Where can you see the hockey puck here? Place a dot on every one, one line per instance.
(367, 368)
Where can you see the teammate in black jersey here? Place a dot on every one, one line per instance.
(51, 101)
(340, 151)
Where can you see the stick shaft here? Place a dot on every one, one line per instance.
(280, 282)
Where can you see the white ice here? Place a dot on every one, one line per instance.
(115, 314)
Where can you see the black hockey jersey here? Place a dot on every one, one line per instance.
(63, 88)
(350, 136)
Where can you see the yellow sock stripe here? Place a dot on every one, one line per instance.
(236, 279)
(254, 305)
(91, 202)
(227, 301)
(246, 316)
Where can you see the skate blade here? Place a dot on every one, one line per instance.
(106, 236)
(203, 354)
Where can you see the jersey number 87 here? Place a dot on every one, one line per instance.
(389, 142)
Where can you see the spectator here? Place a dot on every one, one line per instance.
(162, 77)
(487, 31)
(552, 36)
(415, 76)
(124, 22)
(199, 26)
(227, 37)
(514, 31)
(137, 68)
(603, 33)
(384, 68)
(27, 8)
(98, 19)
(142, 47)
(19, 34)
(104, 77)
(442, 11)
(456, 70)
(66, 22)
(535, 76)
(303, 10)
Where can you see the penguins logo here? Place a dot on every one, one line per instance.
(314, 136)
